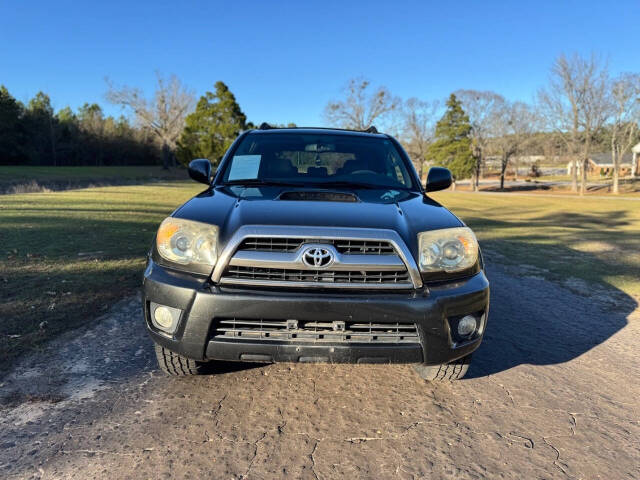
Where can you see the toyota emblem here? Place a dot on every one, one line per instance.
(317, 257)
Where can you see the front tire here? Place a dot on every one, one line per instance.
(174, 364)
(447, 371)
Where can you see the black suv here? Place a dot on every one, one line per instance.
(315, 245)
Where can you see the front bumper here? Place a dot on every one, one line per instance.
(202, 304)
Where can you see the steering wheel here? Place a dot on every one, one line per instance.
(359, 172)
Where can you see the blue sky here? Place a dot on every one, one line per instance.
(285, 60)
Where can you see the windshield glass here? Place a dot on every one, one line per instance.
(318, 159)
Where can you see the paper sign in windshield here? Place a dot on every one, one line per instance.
(244, 167)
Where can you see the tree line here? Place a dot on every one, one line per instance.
(33, 134)
(582, 110)
(182, 131)
(163, 129)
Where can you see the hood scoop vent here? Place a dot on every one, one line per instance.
(318, 196)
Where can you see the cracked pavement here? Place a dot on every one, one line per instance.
(553, 392)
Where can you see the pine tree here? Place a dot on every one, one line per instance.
(210, 130)
(452, 145)
(12, 135)
(41, 127)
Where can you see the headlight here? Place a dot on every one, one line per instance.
(187, 242)
(448, 250)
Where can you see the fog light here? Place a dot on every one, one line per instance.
(164, 318)
(467, 325)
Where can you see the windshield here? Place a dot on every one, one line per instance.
(318, 159)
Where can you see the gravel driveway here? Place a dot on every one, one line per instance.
(554, 392)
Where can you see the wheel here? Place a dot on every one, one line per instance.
(172, 363)
(447, 371)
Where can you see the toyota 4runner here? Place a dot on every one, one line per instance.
(315, 245)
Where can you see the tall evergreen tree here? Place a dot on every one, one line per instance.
(210, 130)
(452, 145)
(68, 143)
(41, 126)
(92, 124)
(12, 133)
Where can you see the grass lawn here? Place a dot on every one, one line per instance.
(596, 240)
(65, 257)
(59, 178)
(545, 185)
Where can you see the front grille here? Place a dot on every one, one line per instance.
(364, 259)
(364, 247)
(318, 276)
(346, 247)
(317, 332)
(271, 244)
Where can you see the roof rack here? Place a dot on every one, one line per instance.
(266, 126)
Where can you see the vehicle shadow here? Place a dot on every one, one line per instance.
(218, 368)
(536, 321)
(552, 280)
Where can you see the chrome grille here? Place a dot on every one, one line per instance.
(271, 244)
(279, 256)
(317, 332)
(364, 247)
(346, 247)
(318, 276)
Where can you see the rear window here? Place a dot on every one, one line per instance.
(318, 158)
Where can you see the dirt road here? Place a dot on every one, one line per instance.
(553, 393)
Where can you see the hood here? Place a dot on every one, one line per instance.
(407, 213)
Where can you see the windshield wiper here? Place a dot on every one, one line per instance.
(260, 181)
(367, 186)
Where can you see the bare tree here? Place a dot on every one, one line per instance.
(510, 128)
(418, 128)
(361, 107)
(625, 94)
(597, 108)
(163, 115)
(481, 106)
(576, 105)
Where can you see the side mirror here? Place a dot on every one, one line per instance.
(200, 170)
(438, 178)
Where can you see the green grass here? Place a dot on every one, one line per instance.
(64, 177)
(65, 257)
(591, 239)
